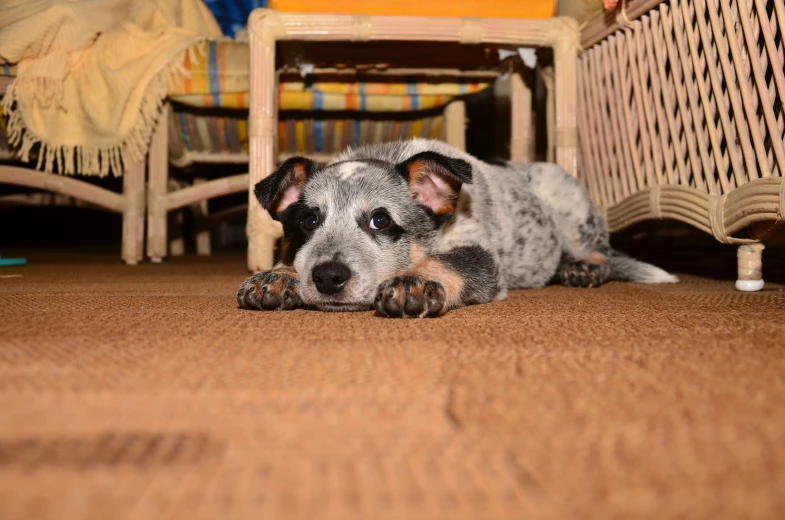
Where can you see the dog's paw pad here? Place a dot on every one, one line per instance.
(410, 297)
(270, 290)
(583, 274)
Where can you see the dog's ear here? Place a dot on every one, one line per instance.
(282, 188)
(435, 180)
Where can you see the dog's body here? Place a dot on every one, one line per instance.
(415, 228)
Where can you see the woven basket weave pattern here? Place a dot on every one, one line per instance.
(688, 95)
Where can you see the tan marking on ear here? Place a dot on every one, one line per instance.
(435, 270)
(447, 208)
(298, 173)
(295, 182)
(417, 170)
(416, 252)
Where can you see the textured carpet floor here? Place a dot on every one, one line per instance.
(145, 393)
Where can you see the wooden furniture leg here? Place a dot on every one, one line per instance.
(157, 190)
(521, 149)
(455, 122)
(750, 267)
(133, 213)
(199, 211)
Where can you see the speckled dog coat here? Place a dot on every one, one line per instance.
(416, 228)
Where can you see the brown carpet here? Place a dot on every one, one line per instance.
(145, 393)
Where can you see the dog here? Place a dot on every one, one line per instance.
(418, 228)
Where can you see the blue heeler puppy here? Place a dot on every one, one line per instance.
(416, 228)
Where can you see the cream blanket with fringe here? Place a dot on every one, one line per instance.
(92, 75)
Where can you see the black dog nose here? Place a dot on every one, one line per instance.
(330, 277)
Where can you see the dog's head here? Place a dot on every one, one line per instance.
(351, 225)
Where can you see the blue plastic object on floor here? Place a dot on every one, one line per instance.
(12, 262)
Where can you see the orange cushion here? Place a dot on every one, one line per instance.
(452, 8)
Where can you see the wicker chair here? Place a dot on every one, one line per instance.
(130, 202)
(682, 118)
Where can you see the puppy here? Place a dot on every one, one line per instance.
(417, 228)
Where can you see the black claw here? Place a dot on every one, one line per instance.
(287, 300)
(250, 302)
(434, 299)
(392, 308)
(270, 301)
(414, 306)
(434, 309)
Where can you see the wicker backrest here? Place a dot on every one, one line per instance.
(688, 94)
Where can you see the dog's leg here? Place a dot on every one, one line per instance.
(277, 289)
(592, 271)
(461, 276)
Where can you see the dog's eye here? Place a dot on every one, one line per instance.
(309, 222)
(379, 221)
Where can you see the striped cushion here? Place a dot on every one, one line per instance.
(372, 96)
(214, 133)
(228, 133)
(214, 76)
(315, 135)
(7, 70)
(219, 78)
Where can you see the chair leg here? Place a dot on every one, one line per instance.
(202, 224)
(750, 267)
(176, 232)
(455, 122)
(262, 236)
(261, 230)
(565, 98)
(133, 214)
(157, 190)
(550, 112)
(521, 149)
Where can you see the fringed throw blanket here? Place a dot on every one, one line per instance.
(92, 75)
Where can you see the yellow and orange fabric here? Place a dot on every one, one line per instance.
(468, 8)
(218, 78)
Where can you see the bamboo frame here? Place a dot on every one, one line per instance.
(40, 198)
(521, 134)
(130, 203)
(678, 120)
(160, 200)
(455, 123)
(157, 189)
(266, 27)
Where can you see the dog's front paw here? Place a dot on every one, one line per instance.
(270, 290)
(410, 297)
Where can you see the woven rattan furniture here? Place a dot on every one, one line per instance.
(130, 202)
(267, 27)
(682, 118)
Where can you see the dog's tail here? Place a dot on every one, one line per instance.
(626, 269)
